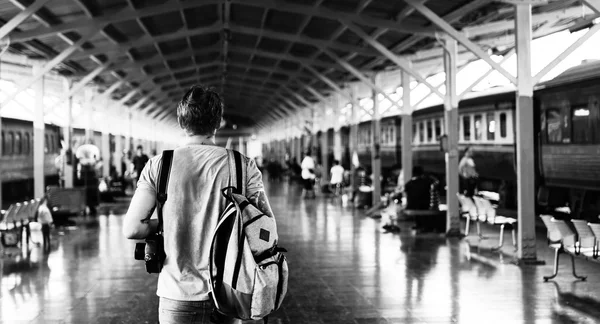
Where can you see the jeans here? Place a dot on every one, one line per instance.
(188, 312)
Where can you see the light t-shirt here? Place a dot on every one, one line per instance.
(466, 168)
(337, 174)
(191, 212)
(308, 163)
(44, 215)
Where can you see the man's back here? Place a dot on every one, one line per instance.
(191, 213)
(418, 193)
(337, 174)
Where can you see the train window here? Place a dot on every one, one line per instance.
(491, 126)
(585, 119)
(478, 127)
(17, 145)
(429, 131)
(414, 127)
(46, 143)
(26, 139)
(554, 125)
(438, 128)
(421, 132)
(466, 127)
(3, 144)
(10, 138)
(503, 132)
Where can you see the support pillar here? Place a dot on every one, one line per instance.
(68, 168)
(525, 136)
(89, 109)
(119, 153)
(406, 136)
(337, 133)
(452, 155)
(38, 134)
(376, 147)
(353, 140)
(324, 158)
(1, 164)
(105, 149)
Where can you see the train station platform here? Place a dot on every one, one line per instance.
(344, 269)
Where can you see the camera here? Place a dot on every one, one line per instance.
(152, 252)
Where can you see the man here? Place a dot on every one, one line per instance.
(337, 177)
(468, 174)
(199, 171)
(419, 190)
(308, 176)
(137, 164)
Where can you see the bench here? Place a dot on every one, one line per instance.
(480, 210)
(65, 202)
(17, 217)
(427, 220)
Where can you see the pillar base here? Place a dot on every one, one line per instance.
(454, 233)
(528, 262)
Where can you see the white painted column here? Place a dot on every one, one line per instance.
(451, 114)
(525, 136)
(406, 136)
(118, 153)
(324, 156)
(68, 135)
(353, 137)
(88, 108)
(337, 133)
(241, 145)
(376, 146)
(38, 134)
(105, 149)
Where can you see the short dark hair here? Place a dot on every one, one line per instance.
(200, 111)
(139, 147)
(417, 171)
(336, 162)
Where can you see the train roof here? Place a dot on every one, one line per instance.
(585, 71)
(477, 98)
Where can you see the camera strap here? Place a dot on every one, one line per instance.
(163, 181)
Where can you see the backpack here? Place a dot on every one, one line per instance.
(248, 272)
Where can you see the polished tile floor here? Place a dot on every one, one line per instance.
(343, 270)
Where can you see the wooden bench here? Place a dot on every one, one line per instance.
(481, 210)
(17, 218)
(65, 202)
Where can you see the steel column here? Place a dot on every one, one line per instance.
(106, 163)
(89, 109)
(337, 133)
(406, 136)
(119, 154)
(376, 146)
(451, 119)
(525, 136)
(68, 135)
(353, 139)
(38, 134)
(324, 157)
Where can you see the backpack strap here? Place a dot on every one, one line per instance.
(237, 168)
(163, 181)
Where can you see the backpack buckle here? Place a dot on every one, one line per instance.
(226, 192)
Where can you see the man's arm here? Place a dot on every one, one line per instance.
(259, 199)
(142, 206)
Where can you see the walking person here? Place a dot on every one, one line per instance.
(199, 171)
(44, 217)
(468, 174)
(308, 176)
(137, 164)
(337, 177)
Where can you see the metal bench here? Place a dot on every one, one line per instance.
(481, 210)
(563, 239)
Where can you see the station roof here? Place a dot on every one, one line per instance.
(268, 57)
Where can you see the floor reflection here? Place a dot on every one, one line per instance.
(343, 268)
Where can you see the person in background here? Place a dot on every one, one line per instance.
(44, 217)
(468, 174)
(337, 177)
(137, 164)
(420, 190)
(308, 176)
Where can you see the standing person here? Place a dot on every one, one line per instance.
(199, 171)
(137, 164)
(337, 176)
(467, 173)
(44, 217)
(308, 176)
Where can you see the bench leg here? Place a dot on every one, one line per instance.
(556, 256)
(514, 238)
(582, 278)
(501, 242)
(467, 227)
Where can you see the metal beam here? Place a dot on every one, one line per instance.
(327, 13)
(50, 65)
(21, 17)
(102, 21)
(566, 53)
(593, 4)
(328, 81)
(110, 90)
(402, 63)
(360, 76)
(466, 42)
